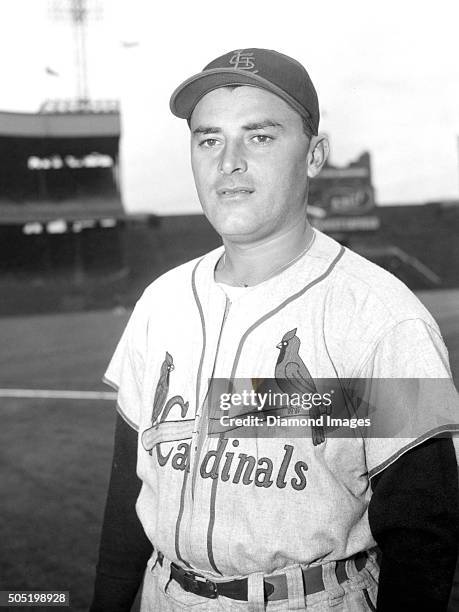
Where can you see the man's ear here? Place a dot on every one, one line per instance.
(319, 148)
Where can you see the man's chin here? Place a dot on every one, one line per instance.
(234, 225)
(241, 233)
(238, 223)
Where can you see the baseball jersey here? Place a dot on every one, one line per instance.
(233, 505)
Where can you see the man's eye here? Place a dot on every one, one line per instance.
(262, 139)
(209, 143)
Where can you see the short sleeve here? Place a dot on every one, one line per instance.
(125, 372)
(409, 393)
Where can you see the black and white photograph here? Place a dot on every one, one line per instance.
(229, 306)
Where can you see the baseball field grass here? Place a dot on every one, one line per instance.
(55, 453)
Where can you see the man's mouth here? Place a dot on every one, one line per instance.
(234, 191)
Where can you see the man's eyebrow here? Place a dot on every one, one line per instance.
(255, 125)
(202, 129)
(260, 125)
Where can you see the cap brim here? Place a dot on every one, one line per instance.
(188, 94)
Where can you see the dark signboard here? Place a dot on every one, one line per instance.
(342, 199)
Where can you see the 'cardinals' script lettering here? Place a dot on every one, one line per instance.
(240, 468)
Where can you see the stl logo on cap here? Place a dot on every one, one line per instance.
(243, 60)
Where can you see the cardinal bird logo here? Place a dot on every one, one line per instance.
(293, 376)
(162, 388)
(160, 430)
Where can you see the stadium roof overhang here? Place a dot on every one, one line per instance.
(60, 125)
(12, 213)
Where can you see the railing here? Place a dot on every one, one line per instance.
(413, 262)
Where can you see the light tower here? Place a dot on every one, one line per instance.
(78, 12)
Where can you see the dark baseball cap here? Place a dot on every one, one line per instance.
(270, 70)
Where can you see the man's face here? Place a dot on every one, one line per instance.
(249, 157)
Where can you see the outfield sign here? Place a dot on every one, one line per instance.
(342, 199)
(349, 200)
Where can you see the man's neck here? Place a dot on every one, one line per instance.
(251, 264)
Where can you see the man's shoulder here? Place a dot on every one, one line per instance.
(176, 280)
(365, 286)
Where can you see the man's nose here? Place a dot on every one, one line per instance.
(232, 159)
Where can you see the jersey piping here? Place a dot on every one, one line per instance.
(198, 391)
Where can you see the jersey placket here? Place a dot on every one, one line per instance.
(201, 419)
(213, 325)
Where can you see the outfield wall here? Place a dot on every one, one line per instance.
(426, 233)
(410, 239)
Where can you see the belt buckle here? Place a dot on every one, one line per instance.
(193, 583)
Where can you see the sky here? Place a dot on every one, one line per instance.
(387, 75)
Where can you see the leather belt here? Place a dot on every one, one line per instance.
(275, 587)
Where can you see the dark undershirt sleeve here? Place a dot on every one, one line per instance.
(124, 548)
(413, 515)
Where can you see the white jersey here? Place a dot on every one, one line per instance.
(231, 506)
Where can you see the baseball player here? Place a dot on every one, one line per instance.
(233, 514)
